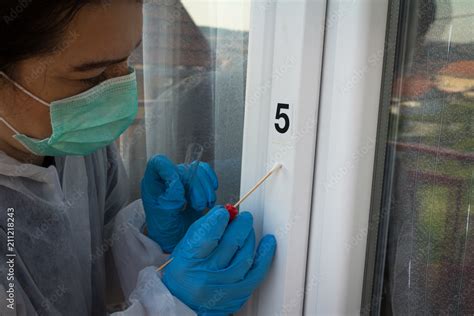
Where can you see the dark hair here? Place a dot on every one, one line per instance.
(33, 27)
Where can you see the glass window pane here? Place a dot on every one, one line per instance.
(193, 69)
(429, 267)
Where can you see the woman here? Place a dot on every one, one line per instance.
(66, 93)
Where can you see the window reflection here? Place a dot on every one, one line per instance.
(193, 68)
(430, 258)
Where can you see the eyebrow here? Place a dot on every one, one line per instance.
(102, 63)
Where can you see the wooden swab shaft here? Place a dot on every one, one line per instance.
(164, 265)
(259, 183)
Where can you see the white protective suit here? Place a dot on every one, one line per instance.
(66, 217)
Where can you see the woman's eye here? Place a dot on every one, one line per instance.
(95, 80)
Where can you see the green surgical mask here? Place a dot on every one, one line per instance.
(83, 123)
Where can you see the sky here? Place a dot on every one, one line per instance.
(229, 14)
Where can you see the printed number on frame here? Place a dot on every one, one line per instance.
(283, 119)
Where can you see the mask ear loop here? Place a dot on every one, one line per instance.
(1, 118)
(29, 94)
(16, 133)
(9, 126)
(23, 89)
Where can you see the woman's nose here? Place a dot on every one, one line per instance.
(117, 70)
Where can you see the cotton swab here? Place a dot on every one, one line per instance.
(232, 209)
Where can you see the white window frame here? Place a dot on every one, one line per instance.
(318, 205)
(349, 111)
(284, 66)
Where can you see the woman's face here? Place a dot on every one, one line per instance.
(95, 47)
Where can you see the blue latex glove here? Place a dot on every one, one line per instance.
(214, 269)
(170, 209)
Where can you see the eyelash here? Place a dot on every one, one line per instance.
(95, 80)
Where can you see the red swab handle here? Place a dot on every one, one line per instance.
(233, 211)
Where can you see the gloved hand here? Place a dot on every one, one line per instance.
(214, 269)
(173, 198)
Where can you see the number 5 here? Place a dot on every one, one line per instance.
(282, 129)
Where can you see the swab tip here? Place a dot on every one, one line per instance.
(277, 166)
